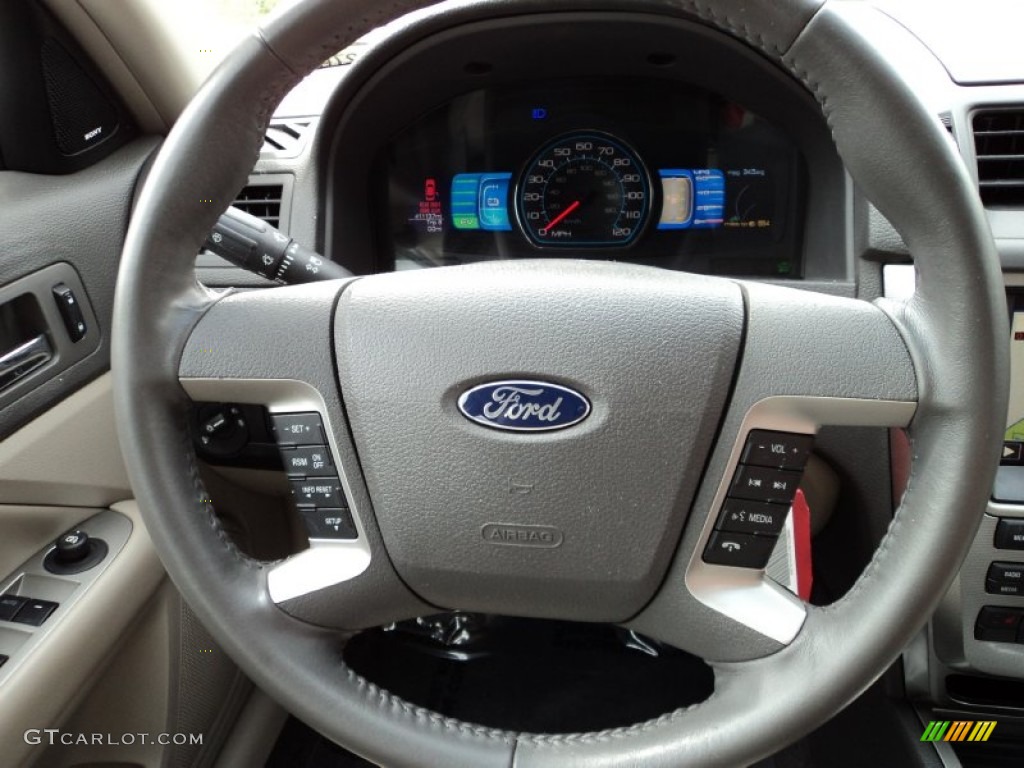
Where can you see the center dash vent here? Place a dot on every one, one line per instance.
(285, 138)
(262, 201)
(999, 145)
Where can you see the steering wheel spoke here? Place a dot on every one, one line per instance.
(273, 348)
(809, 361)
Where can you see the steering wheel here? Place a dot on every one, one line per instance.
(676, 370)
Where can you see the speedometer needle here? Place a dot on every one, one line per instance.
(554, 222)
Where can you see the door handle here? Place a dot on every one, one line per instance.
(23, 359)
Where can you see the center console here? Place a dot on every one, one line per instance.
(992, 579)
(969, 664)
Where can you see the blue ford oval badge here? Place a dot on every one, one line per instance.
(524, 406)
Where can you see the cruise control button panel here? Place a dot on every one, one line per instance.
(759, 497)
(317, 491)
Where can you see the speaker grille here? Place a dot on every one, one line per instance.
(82, 117)
(211, 690)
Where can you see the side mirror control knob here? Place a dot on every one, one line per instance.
(73, 546)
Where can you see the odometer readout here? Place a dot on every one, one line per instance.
(583, 190)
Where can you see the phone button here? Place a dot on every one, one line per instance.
(740, 550)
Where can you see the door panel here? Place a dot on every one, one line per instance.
(79, 219)
(40, 686)
(120, 652)
(69, 456)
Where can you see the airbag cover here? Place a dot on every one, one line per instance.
(575, 523)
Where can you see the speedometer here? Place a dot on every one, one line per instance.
(584, 190)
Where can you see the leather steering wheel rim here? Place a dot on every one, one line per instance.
(954, 328)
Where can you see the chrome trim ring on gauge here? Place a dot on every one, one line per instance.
(585, 189)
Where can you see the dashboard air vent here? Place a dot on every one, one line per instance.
(262, 201)
(285, 137)
(999, 145)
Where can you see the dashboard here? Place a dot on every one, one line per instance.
(643, 170)
(650, 141)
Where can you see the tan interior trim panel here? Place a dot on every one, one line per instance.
(255, 732)
(50, 680)
(28, 529)
(68, 457)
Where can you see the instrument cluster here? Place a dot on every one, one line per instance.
(639, 170)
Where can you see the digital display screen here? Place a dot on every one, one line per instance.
(1009, 485)
(644, 171)
(1014, 436)
(480, 201)
(693, 198)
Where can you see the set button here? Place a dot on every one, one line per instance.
(297, 428)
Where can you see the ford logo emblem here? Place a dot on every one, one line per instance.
(524, 406)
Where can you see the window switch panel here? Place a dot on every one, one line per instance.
(9, 606)
(35, 612)
(70, 312)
